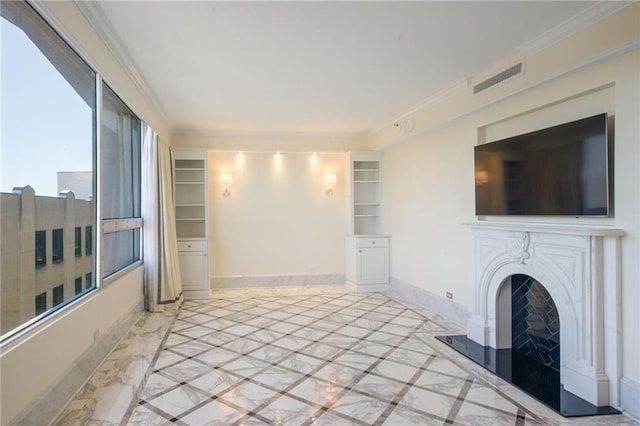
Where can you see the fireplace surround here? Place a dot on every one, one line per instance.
(579, 267)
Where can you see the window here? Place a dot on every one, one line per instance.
(78, 285)
(88, 241)
(41, 304)
(49, 126)
(48, 118)
(41, 248)
(121, 150)
(57, 245)
(58, 295)
(77, 247)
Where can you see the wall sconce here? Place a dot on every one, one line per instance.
(330, 180)
(482, 177)
(226, 179)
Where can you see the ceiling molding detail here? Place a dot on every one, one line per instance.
(612, 52)
(582, 20)
(269, 135)
(107, 33)
(440, 96)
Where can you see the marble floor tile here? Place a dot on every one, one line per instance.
(299, 356)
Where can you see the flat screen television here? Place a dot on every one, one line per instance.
(557, 171)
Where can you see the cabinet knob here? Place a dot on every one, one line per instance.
(189, 245)
(373, 242)
(360, 251)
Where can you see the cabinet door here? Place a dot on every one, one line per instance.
(373, 265)
(193, 270)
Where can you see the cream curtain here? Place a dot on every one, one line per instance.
(163, 286)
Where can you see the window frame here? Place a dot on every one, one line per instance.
(112, 225)
(93, 244)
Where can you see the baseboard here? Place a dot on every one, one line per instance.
(630, 397)
(47, 407)
(363, 288)
(294, 280)
(448, 309)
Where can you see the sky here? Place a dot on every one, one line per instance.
(45, 126)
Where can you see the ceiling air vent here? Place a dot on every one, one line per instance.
(500, 77)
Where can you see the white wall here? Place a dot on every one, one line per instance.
(278, 219)
(429, 177)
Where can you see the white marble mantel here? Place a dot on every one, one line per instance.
(550, 228)
(580, 268)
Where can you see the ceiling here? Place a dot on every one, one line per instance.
(323, 68)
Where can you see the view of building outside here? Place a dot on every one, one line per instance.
(47, 227)
(37, 274)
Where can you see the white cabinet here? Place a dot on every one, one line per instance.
(367, 262)
(190, 180)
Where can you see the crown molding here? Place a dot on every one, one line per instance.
(267, 135)
(576, 23)
(102, 26)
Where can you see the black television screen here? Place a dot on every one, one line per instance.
(561, 170)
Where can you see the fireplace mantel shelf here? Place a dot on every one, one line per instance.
(552, 228)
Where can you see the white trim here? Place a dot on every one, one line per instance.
(552, 228)
(117, 225)
(600, 57)
(630, 397)
(54, 400)
(291, 280)
(448, 309)
(98, 20)
(267, 135)
(576, 23)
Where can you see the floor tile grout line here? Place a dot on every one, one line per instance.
(328, 313)
(364, 373)
(478, 378)
(159, 412)
(319, 367)
(237, 384)
(460, 399)
(401, 394)
(136, 395)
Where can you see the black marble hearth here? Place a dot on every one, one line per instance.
(538, 380)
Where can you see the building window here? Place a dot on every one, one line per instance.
(58, 295)
(88, 281)
(78, 285)
(78, 241)
(41, 248)
(57, 245)
(121, 133)
(88, 240)
(41, 304)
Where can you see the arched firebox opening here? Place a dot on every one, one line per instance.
(535, 324)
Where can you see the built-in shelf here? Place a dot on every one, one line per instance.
(367, 251)
(190, 199)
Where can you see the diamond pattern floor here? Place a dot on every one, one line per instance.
(316, 356)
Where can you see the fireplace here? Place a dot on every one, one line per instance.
(535, 325)
(548, 295)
